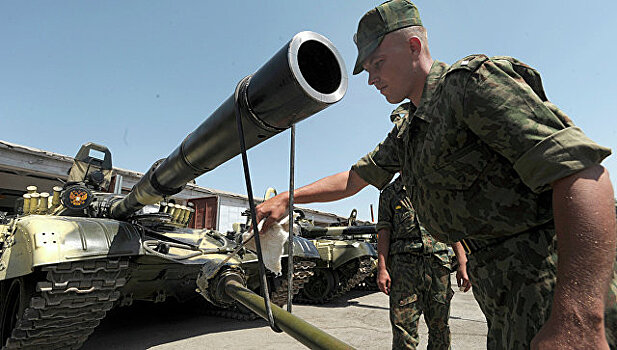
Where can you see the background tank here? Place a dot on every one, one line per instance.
(345, 259)
(70, 256)
(306, 257)
(369, 236)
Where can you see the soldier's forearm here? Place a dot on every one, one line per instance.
(383, 248)
(459, 251)
(585, 224)
(330, 188)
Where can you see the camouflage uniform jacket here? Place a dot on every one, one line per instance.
(481, 150)
(407, 235)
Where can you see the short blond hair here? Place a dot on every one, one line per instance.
(414, 31)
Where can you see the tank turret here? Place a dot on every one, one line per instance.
(75, 253)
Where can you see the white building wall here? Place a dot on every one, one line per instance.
(229, 212)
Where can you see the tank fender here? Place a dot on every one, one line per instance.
(343, 254)
(16, 257)
(39, 240)
(303, 248)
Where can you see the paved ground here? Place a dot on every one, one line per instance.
(359, 319)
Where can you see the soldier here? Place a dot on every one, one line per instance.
(497, 166)
(414, 270)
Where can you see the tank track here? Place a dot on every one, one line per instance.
(235, 312)
(303, 270)
(349, 280)
(350, 275)
(66, 308)
(369, 283)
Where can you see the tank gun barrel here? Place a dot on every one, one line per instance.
(317, 231)
(302, 78)
(302, 331)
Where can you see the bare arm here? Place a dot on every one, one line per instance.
(462, 279)
(328, 189)
(383, 249)
(585, 225)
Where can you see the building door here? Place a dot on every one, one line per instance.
(205, 212)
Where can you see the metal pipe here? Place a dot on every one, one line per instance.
(290, 245)
(297, 328)
(55, 199)
(189, 216)
(179, 213)
(43, 203)
(185, 217)
(304, 77)
(118, 184)
(34, 202)
(171, 209)
(26, 209)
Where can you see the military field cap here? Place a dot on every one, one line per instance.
(383, 19)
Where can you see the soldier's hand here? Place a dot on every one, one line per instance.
(383, 281)
(272, 210)
(462, 279)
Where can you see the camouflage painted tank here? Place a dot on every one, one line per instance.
(68, 258)
(367, 233)
(346, 259)
(369, 236)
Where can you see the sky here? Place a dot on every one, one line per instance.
(138, 76)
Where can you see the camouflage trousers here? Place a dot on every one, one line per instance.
(513, 283)
(419, 284)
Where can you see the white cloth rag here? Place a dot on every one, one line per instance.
(272, 244)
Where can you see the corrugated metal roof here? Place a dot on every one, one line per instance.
(190, 191)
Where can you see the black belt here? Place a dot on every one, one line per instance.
(473, 245)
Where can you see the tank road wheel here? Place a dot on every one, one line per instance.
(10, 310)
(15, 295)
(320, 288)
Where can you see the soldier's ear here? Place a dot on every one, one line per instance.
(415, 45)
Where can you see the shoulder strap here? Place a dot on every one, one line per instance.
(470, 63)
(529, 74)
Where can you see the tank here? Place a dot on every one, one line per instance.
(70, 256)
(346, 259)
(369, 236)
